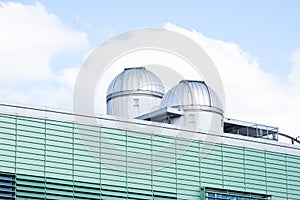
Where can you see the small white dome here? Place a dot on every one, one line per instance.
(192, 94)
(136, 80)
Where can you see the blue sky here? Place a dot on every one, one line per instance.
(269, 30)
(255, 45)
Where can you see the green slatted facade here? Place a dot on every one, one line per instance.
(46, 159)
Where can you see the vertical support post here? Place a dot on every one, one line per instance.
(16, 149)
(73, 158)
(45, 158)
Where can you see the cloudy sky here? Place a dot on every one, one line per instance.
(254, 44)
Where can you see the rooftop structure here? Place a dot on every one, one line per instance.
(191, 104)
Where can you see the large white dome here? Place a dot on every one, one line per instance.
(136, 80)
(192, 94)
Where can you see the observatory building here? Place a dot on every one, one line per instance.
(134, 92)
(152, 144)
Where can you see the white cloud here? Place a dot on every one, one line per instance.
(68, 77)
(30, 38)
(252, 94)
(53, 97)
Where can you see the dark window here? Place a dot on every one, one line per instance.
(6, 185)
(218, 194)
